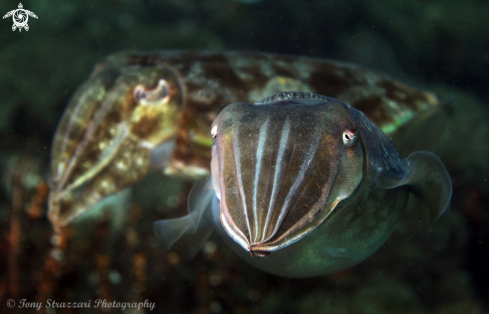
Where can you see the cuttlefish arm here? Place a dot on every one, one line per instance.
(275, 182)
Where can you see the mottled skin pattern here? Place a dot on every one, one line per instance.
(107, 138)
(214, 80)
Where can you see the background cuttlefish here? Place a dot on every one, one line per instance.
(154, 110)
(307, 183)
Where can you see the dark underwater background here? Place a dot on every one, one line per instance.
(436, 45)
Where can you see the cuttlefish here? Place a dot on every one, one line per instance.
(305, 185)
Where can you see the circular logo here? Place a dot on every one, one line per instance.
(20, 18)
(10, 303)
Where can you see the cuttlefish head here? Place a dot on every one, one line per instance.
(107, 137)
(281, 166)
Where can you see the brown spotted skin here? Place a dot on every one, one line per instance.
(84, 171)
(214, 80)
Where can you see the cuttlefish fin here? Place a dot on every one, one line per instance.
(188, 234)
(429, 183)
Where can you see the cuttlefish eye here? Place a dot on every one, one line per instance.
(349, 138)
(214, 131)
(214, 134)
(158, 95)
